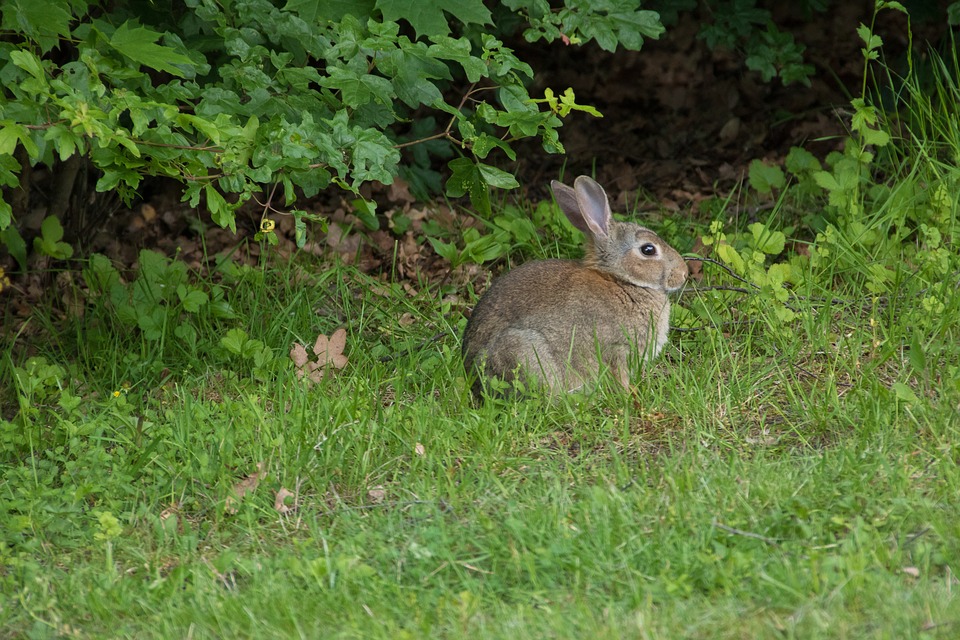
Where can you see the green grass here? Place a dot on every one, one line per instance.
(771, 478)
(763, 484)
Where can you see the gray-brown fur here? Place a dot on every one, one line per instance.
(557, 321)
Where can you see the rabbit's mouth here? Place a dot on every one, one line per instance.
(673, 285)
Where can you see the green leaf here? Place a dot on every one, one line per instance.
(263, 357)
(6, 214)
(953, 13)
(916, 356)
(29, 63)
(799, 161)
(300, 231)
(11, 133)
(139, 44)
(9, 136)
(234, 341)
(497, 177)
(65, 141)
(187, 333)
(366, 211)
(764, 178)
(568, 103)
(769, 242)
(414, 68)
(100, 274)
(9, 177)
(446, 250)
(783, 314)
(730, 257)
(459, 50)
(465, 178)
(781, 272)
(428, 18)
(875, 137)
(69, 402)
(44, 22)
(333, 10)
(48, 243)
(220, 211)
(904, 393)
(14, 242)
(151, 321)
(192, 299)
(632, 26)
(204, 126)
(153, 265)
(482, 249)
(250, 348)
(415, 89)
(484, 143)
(871, 40)
(358, 89)
(826, 180)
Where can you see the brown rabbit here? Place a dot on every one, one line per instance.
(559, 323)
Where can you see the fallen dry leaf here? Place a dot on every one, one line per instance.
(170, 518)
(377, 494)
(330, 350)
(299, 356)
(911, 571)
(280, 503)
(329, 353)
(400, 191)
(696, 266)
(242, 488)
(419, 450)
(304, 368)
(148, 212)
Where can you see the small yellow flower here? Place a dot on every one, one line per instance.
(116, 394)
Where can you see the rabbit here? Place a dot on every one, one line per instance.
(560, 323)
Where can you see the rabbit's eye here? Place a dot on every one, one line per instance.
(648, 249)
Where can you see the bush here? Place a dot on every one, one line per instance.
(234, 98)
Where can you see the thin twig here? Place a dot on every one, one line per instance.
(381, 505)
(816, 377)
(714, 288)
(725, 268)
(913, 537)
(394, 356)
(410, 143)
(746, 534)
(703, 327)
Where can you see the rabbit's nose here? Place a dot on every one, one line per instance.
(677, 277)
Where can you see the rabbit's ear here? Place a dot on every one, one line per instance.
(567, 199)
(594, 206)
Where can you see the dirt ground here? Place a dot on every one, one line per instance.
(682, 122)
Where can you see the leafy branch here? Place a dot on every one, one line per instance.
(248, 98)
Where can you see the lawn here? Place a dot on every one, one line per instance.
(760, 483)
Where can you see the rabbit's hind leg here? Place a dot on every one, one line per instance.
(528, 349)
